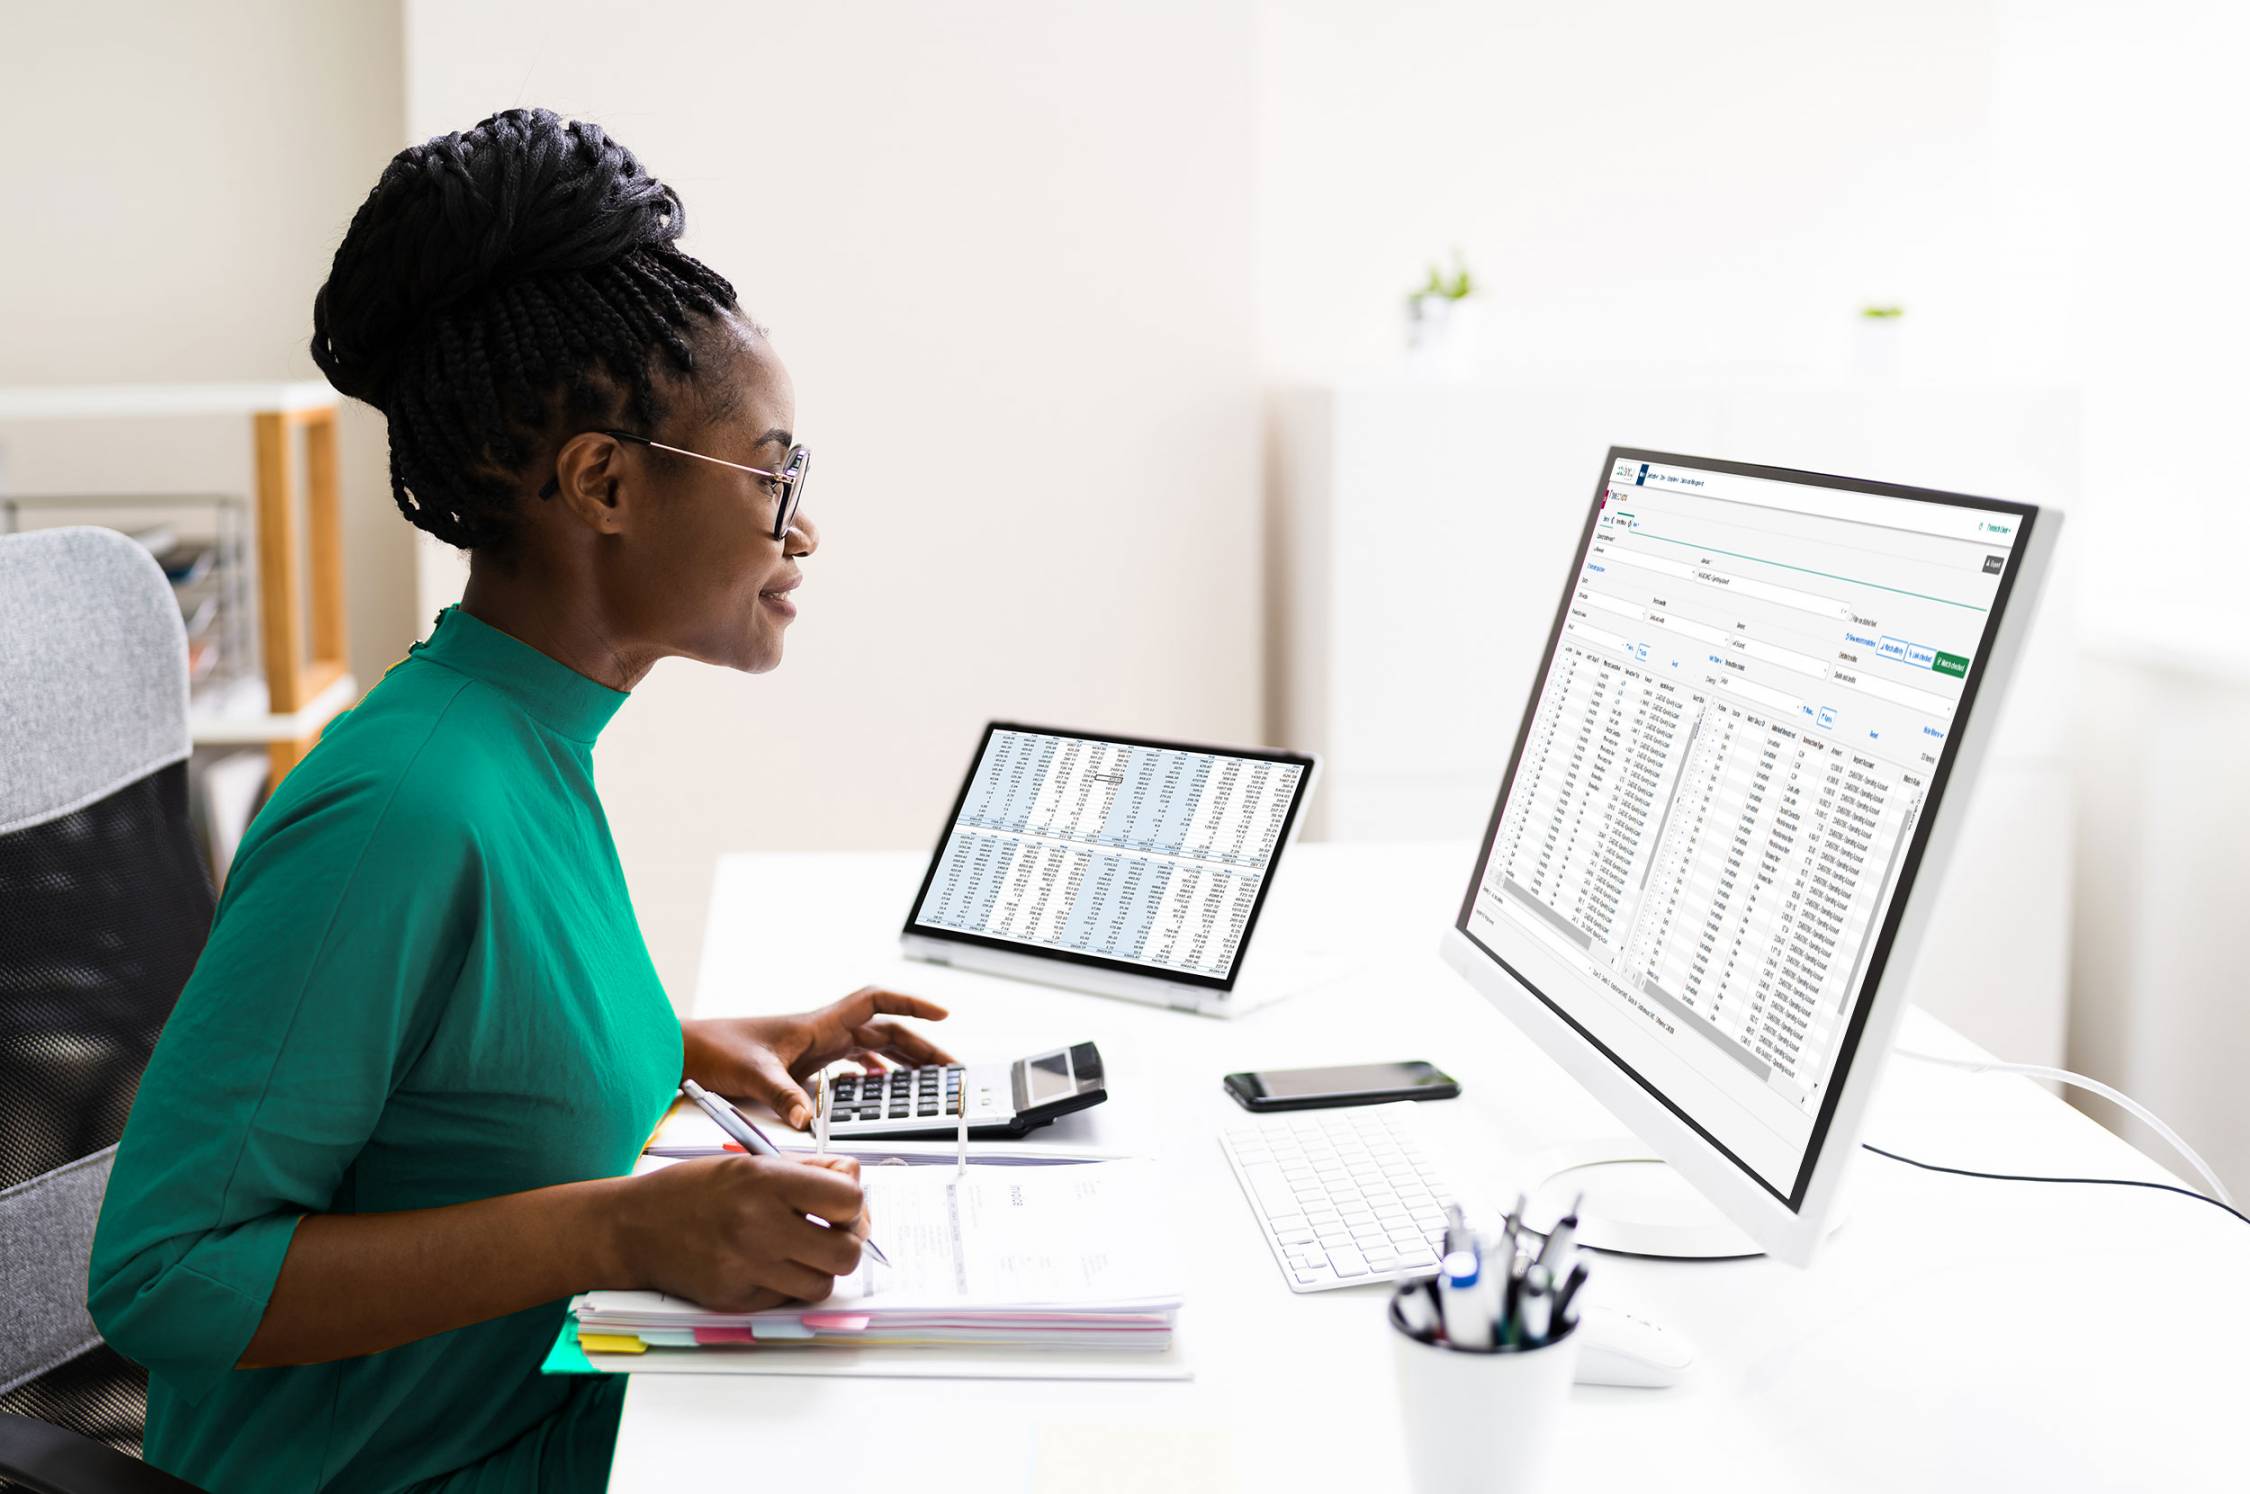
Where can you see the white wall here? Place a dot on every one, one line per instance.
(1007, 252)
(2123, 134)
(1666, 189)
(181, 179)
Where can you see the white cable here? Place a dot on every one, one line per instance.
(2065, 1076)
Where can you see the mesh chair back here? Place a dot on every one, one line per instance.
(104, 906)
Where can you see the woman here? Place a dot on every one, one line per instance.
(383, 1137)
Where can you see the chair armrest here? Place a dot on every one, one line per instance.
(53, 1461)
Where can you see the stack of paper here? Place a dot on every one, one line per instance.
(1061, 1258)
(687, 1132)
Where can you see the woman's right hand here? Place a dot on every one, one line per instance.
(730, 1233)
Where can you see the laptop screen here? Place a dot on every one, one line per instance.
(1145, 856)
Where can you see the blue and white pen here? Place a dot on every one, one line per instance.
(738, 1126)
(1464, 1305)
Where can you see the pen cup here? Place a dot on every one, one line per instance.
(1481, 1421)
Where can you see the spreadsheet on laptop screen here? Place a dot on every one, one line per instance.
(1143, 854)
(1734, 736)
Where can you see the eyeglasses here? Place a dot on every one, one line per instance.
(791, 476)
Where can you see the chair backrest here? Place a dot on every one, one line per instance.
(104, 901)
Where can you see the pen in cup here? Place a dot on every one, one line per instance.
(1535, 1316)
(1566, 1295)
(753, 1140)
(1555, 1254)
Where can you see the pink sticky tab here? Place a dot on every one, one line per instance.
(725, 1336)
(837, 1322)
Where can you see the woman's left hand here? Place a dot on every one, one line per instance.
(767, 1058)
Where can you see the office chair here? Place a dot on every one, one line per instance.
(104, 906)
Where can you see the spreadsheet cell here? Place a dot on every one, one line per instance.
(1150, 855)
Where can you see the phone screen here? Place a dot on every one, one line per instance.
(1351, 1079)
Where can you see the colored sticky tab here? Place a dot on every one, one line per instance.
(836, 1322)
(725, 1336)
(611, 1343)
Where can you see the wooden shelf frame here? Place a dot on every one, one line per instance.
(294, 675)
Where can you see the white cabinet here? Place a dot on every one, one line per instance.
(1419, 540)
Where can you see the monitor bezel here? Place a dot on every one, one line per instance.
(1966, 726)
(1226, 983)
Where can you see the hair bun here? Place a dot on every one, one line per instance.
(521, 194)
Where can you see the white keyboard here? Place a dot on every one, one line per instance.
(1345, 1197)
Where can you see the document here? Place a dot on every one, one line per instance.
(999, 1247)
(1013, 1237)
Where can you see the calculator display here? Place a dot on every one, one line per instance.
(1048, 1076)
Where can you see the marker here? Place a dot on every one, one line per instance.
(1468, 1318)
(738, 1126)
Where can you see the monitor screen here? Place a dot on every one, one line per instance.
(1145, 856)
(1743, 720)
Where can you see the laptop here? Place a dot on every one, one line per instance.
(1123, 866)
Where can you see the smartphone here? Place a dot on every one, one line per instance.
(1353, 1084)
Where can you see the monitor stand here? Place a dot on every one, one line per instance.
(1635, 1203)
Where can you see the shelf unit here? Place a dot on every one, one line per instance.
(295, 535)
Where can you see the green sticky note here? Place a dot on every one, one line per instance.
(566, 1358)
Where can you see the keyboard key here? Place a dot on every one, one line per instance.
(1286, 1221)
(1347, 1262)
(1273, 1194)
(1297, 1236)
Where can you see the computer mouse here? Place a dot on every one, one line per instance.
(1618, 1348)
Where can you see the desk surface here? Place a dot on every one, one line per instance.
(1957, 1333)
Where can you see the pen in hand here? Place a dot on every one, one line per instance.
(753, 1140)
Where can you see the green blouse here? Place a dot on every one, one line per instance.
(425, 984)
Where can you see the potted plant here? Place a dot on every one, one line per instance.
(1433, 306)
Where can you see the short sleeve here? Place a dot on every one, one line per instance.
(342, 930)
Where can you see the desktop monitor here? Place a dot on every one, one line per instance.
(1762, 703)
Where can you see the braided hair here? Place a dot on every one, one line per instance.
(498, 282)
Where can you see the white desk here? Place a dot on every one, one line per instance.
(1957, 1333)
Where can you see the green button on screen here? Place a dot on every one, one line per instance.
(1952, 664)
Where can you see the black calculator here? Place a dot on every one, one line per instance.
(1002, 1099)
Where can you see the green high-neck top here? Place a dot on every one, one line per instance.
(425, 984)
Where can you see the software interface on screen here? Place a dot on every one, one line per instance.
(1150, 856)
(1732, 740)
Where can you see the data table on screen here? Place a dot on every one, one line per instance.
(1150, 855)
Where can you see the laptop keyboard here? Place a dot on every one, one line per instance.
(1344, 1197)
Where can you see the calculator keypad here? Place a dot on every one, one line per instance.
(900, 1094)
